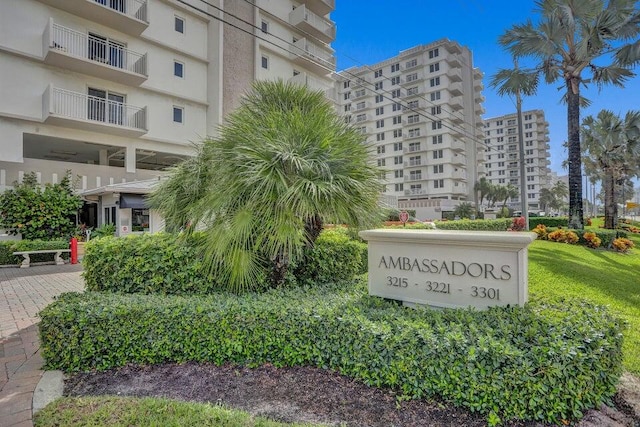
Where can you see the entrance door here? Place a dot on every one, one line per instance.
(96, 103)
(116, 108)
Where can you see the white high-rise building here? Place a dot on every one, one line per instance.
(117, 90)
(421, 113)
(503, 154)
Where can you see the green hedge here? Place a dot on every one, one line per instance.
(7, 248)
(161, 263)
(501, 224)
(548, 221)
(550, 360)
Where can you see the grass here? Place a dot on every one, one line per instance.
(120, 411)
(603, 277)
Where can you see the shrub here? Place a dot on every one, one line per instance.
(550, 360)
(7, 248)
(563, 236)
(518, 224)
(161, 263)
(548, 221)
(622, 245)
(541, 231)
(479, 224)
(593, 241)
(606, 236)
(105, 230)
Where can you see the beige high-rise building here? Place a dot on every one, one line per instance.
(502, 152)
(117, 90)
(420, 111)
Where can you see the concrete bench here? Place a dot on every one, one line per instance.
(27, 259)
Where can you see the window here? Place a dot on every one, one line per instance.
(395, 80)
(436, 110)
(500, 139)
(527, 116)
(412, 63)
(415, 175)
(437, 139)
(377, 73)
(415, 161)
(397, 133)
(379, 124)
(500, 131)
(378, 85)
(346, 84)
(380, 149)
(347, 95)
(381, 162)
(500, 164)
(379, 111)
(512, 139)
(531, 186)
(414, 132)
(395, 93)
(360, 92)
(265, 62)
(528, 134)
(105, 106)
(178, 69)
(511, 122)
(438, 183)
(396, 106)
(360, 105)
(361, 118)
(110, 215)
(347, 108)
(411, 77)
(395, 68)
(434, 53)
(434, 67)
(438, 168)
(498, 122)
(436, 125)
(397, 120)
(380, 136)
(414, 146)
(178, 114)
(413, 105)
(179, 24)
(399, 187)
(528, 152)
(379, 98)
(140, 220)
(434, 81)
(264, 26)
(435, 95)
(438, 154)
(398, 173)
(414, 118)
(416, 188)
(530, 169)
(397, 146)
(528, 125)
(397, 160)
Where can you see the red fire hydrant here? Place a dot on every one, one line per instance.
(74, 250)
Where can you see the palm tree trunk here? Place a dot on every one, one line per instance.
(313, 227)
(610, 206)
(279, 270)
(576, 220)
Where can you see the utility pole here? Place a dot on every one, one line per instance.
(523, 185)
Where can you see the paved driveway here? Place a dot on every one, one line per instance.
(23, 293)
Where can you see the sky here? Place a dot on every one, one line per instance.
(370, 31)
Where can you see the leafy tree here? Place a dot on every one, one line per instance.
(464, 210)
(613, 145)
(566, 42)
(39, 212)
(284, 164)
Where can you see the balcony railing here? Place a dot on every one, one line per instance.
(62, 42)
(321, 7)
(133, 8)
(322, 59)
(308, 21)
(65, 104)
(416, 192)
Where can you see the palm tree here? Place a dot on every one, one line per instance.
(613, 145)
(547, 199)
(483, 187)
(284, 164)
(566, 42)
(509, 192)
(464, 210)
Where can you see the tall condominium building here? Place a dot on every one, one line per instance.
(118, 90)
(420, 111)
(503, 154)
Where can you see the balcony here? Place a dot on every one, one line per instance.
(477, 84)
(413, 163)
(359, 93)
(459, 189)
(453, 48)
(362, 105)
(303, 79)
(412, 148)
(321, 7)
(127, 16)
(455, 88)
(62, 107)
(459, 175)
(414, 177)
(411, 80)
(318, 59)
(456, 103)
(458, 159)
(304, 19)
(454, 74)
(86, 54)
(479, 98)
(412, 94)
(457, 145)
(453, 61)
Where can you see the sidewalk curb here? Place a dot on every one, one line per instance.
(49, 388)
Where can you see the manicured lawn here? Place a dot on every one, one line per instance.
(603, 277)
(119, 411)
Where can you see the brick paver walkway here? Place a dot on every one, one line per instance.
(23, 293)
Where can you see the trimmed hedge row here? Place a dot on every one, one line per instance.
(550, 360)
(500, 224)
(548, 221)
(7, 248)
(160, 263)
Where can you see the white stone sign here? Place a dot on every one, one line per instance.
(446, 268)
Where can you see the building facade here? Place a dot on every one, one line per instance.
(118, 90)
(502, 152)
(420, 111)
